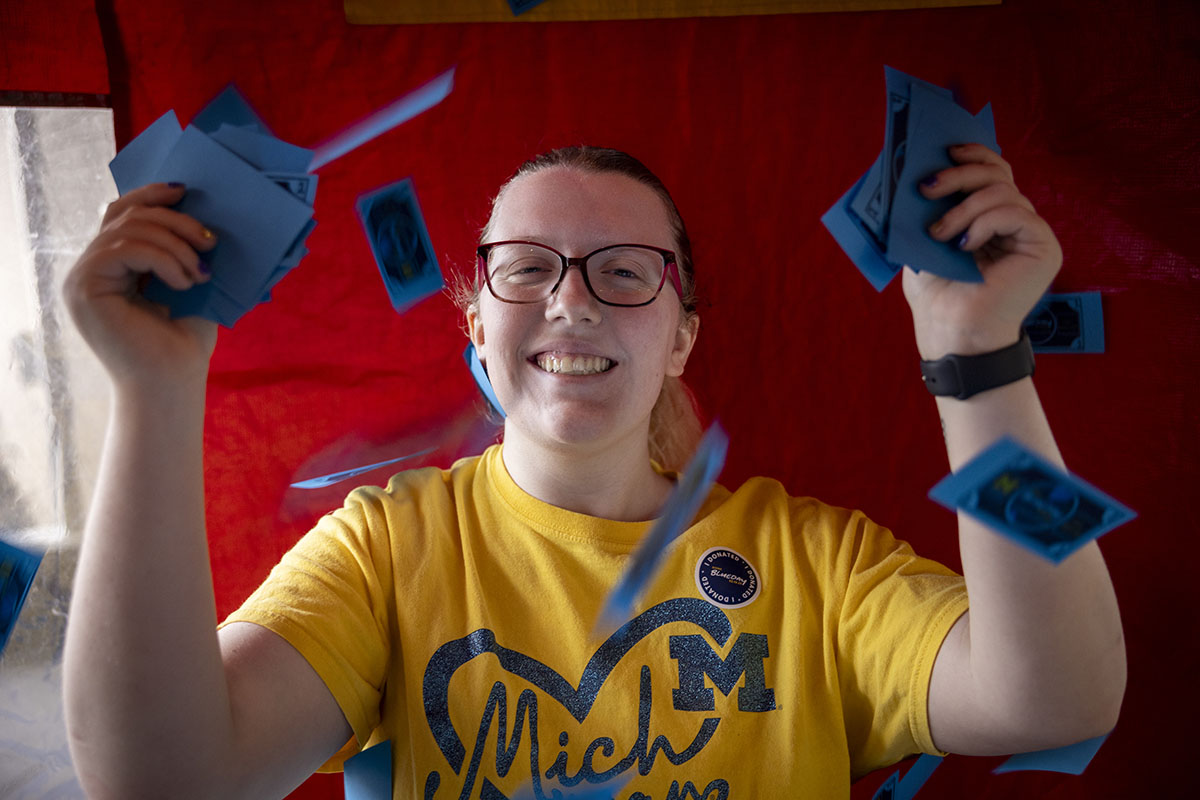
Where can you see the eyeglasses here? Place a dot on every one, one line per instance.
(617, 275)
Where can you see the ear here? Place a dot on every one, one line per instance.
(475, 329)
(685, 339)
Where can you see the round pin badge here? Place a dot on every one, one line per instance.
(726, 579)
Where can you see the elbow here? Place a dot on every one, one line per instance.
(1094, 707)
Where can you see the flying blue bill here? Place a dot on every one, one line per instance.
(1020, 495)
(399, 111)
(895, 788)
(400, 243)
(368, 775)
(17, 569)
(690, 491)
(1072, 759)
(1067, 323)
(322, 481)
(481, 378)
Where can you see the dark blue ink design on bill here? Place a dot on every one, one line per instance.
(1067, 323)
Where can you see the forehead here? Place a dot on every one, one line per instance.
(575, 210)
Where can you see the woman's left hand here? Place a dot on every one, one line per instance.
(1014, 248)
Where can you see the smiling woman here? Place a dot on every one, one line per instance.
(674, 424)
(421, 611)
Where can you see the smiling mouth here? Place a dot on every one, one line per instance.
(574, 365)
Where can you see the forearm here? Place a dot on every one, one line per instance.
(143, 672)
(1045, 640)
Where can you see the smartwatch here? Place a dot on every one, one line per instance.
(963, 376)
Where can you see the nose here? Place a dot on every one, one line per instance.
(572, 301)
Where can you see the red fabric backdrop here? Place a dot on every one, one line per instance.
(758, 125)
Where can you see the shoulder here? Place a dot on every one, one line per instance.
(766, 498)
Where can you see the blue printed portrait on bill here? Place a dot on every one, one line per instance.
(1067, 323)
(1019, 494)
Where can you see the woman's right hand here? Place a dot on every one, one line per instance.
(135, 339)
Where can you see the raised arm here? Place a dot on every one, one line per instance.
(156, 705)
(1039, 661)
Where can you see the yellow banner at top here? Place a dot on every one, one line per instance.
(395, 12)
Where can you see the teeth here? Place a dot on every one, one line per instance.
(574, 365)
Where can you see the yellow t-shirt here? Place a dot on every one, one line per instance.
(784, 646)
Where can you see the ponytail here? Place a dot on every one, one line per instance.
(675, 427)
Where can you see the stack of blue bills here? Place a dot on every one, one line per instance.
(254, 191)
(881, 222)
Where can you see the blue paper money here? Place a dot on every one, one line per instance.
(401, 110)
(17, 569)
(1072, 759)
(685, 500)
(400, 243)
(895, 788)
(1021, 495)
(881, 222)
(519, 7)
(322, 481)
(368, 775)
(1067, 323)
(481, 378)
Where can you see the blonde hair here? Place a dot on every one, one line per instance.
(675, 426)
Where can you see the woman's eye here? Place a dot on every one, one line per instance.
(525, 270)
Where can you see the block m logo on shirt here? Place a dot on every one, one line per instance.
(697, 658)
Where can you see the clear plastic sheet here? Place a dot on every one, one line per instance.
(54, 184)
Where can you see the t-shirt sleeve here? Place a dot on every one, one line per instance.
(327, 597)
(896, 610)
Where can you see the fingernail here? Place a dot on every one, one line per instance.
(206, 233)
(930, 181)
(175, 185)
(936, 228)
(962, 240)
(205, 268)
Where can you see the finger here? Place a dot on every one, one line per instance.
(957, 219)
(152, 194)
(966, 178)
(165, 238)
(975, 153)
(141, 257)
(1021, 231)
(182, 225)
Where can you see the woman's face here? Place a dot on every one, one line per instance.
(576, 212)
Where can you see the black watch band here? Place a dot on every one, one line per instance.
(963, 376)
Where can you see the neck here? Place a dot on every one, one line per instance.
(613, 480)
